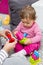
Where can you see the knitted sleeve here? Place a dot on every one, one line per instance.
(3, 56)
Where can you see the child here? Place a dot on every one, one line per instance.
(29, 26)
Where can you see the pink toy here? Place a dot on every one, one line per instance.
(35, 57)
(19, 35)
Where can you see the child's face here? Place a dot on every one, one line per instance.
(27, 22)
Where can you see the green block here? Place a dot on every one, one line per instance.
(23, 40)
(34, 62)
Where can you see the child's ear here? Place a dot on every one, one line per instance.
(6, 21)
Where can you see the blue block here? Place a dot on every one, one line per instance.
(25, 34)
(36, 53)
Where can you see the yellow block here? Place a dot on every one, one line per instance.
(34, 62)
(6, 20)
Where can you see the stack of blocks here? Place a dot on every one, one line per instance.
(21, 37)
(34, 58)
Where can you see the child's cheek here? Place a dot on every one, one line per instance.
(24, 24)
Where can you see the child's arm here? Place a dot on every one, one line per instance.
(17, 28)
(37, 36)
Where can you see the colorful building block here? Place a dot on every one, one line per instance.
(19, 35)
(34, 62)
(36, 53)
(25, 34)
(34, 57)
(23, 40)
(9, 36)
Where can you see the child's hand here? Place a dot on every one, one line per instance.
(14, 33)
(28, 41)
(8, 46)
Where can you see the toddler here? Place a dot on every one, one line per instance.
(29, 26)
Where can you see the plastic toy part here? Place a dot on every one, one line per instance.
(19, 35)
(23, 40)
(25, 34)
(34, 58)
(36, 53)
(9, 36)
(34, 62)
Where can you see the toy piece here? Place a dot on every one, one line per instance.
(34, 62)
(9, 36)
(19, 35)
(35, 55)
(22, 38)
(25, 34)
(34, 58)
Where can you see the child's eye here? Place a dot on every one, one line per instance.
(27, 23)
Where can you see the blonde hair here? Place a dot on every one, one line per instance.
(28, 11)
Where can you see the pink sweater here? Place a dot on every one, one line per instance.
(33, 32)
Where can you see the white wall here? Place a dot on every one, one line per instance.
(39, 12)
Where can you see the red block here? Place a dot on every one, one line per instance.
(9, 36)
